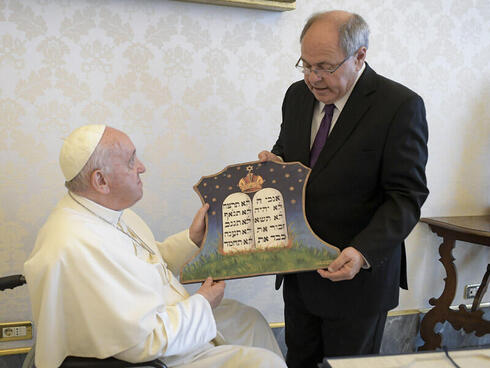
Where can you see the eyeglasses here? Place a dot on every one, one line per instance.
(320, 72)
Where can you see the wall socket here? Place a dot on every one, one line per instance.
(10, 331)
(470, 291)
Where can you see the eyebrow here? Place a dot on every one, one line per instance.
(133, 155)
(323, 63)
(326, 63)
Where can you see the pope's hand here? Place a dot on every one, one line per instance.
(268, 156)
(345, 266)
(198, 226)
(212, 291)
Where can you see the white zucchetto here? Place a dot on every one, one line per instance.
(78, 147)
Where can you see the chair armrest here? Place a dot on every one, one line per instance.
(77, 362)
(10, 282)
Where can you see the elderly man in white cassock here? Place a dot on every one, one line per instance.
(101, 286)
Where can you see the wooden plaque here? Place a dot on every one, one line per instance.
(278, 5)
(256, 224)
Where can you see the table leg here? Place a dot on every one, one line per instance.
(472, 320)
(439, 312)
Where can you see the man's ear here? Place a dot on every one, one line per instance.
(99, 182)
(360, 57)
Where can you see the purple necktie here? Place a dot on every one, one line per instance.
(322, 134)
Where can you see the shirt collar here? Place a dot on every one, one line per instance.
(340, 103)
(107, 214)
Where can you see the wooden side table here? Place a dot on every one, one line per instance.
(472, 229)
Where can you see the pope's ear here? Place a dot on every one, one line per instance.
(98, 181)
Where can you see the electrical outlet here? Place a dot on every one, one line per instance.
(470, 291)
(11, 331)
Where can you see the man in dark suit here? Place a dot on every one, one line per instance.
(363, 195)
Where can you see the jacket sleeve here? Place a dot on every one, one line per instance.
(403, 182)
(278, 148)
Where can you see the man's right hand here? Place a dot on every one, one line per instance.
(212, 291)
(269, 156)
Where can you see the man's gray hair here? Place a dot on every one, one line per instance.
(98, 160)
(353, 34)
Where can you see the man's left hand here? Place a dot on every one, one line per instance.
(345, 266)
(198, 226)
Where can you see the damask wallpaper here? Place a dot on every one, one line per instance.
(198, 87)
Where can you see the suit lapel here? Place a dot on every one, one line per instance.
(357, 105)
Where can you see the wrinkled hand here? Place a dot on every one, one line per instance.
(268, 156)
(198, 226)
(212, 291)
(345, 266)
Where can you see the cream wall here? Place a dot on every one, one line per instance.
(198, 87)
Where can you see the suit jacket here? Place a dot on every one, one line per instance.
(365, 190)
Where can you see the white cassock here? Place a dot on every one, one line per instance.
(97, 293)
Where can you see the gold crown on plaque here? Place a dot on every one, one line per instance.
(250, 183)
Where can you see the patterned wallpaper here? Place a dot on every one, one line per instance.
(198, 87)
